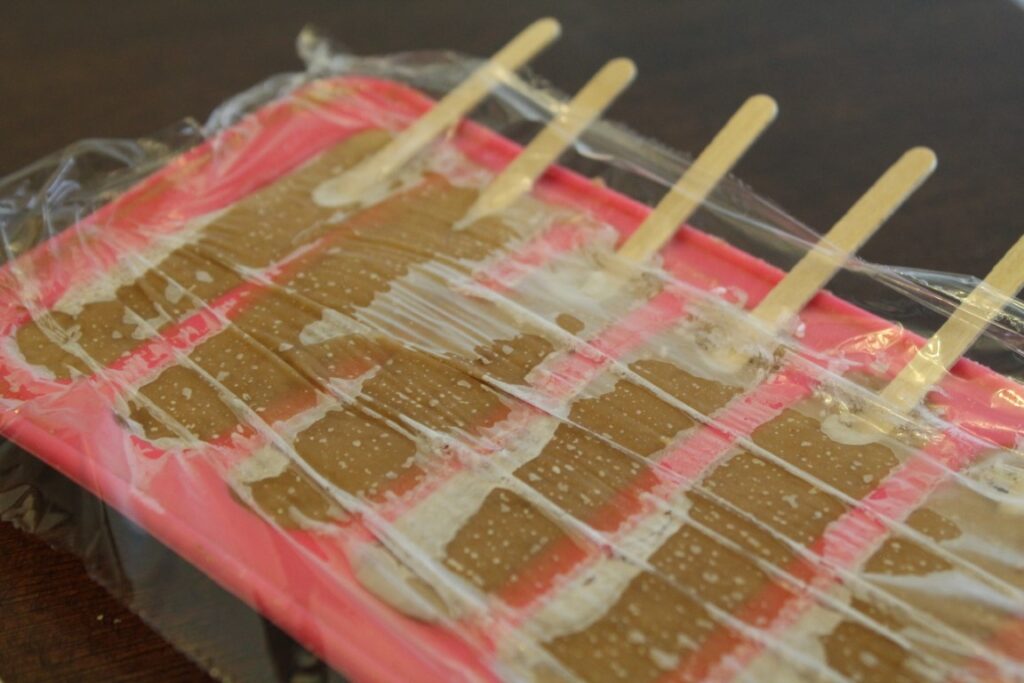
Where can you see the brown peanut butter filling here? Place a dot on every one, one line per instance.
(906, 568)
(603, 446)
(262, 368)
(593, 459)
(511, 360)
(232, 376)
(359, 454)
(358, 448)
(861, 651)
(356, 452)
(372, 249)
(257, 230)
(291, 499)
(742, 503)
(487, 551)
(262, 363)
(600, 451)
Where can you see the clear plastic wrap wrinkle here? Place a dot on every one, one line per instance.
(431, 448)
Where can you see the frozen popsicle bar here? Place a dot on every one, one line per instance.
(270, 364)
(530, 443)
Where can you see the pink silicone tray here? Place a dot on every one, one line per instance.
(302, 580)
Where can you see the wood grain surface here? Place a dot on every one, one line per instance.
(857, 83)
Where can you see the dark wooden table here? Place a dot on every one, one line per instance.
(857, 84)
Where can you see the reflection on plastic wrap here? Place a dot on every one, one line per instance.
(437, 449)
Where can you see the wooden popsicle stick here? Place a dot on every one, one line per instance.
(568, 123)
(745, 126)
(868, 214)
(349, 186)
(958, 333)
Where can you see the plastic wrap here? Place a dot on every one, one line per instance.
(432, 450)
